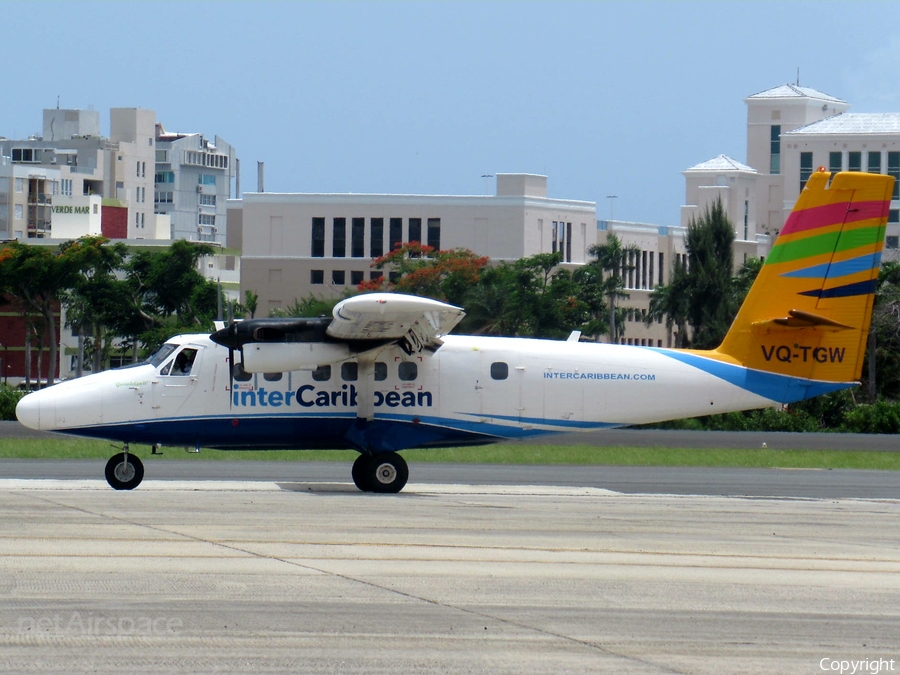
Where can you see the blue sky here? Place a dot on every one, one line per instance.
(426, 97)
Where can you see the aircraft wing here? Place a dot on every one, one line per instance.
(360, 323)
(416, 323)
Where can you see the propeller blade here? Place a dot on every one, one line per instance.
(231, 332)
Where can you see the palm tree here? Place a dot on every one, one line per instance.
(886, 326)
(613, 261)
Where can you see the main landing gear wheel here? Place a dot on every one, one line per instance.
(385, 472)
(124, 471)
(360, 472)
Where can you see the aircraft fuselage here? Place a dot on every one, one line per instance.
(472, 390)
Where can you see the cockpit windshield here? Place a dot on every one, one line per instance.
(161, 354)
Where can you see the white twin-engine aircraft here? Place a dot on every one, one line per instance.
(384, 375)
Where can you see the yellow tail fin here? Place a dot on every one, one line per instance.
(808, 313)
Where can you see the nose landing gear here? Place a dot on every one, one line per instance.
(124, 471)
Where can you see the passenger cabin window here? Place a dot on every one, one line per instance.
(408, 371)
(380, 371)
(241, 375)
(272, 377)
(499, 370)
(322, 374)
(349, 371)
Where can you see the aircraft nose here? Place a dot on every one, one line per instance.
(28, 410)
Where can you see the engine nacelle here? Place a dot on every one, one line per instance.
(280, 357)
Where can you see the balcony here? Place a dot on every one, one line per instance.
(39, 226)
(40, 198)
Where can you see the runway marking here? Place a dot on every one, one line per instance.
(8, 484)
(411, 490)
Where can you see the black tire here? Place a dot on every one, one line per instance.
(361, 473)
(124, 471)
(387, 472)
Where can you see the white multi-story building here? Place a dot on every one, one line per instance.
(791, 130)
(847, 142)
(82, 183)
(299, 244)
(657, 248)
(26, 199)
(194, 178)
(85, 183)
(770, 115)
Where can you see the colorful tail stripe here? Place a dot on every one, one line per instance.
(815, 291)
(836, 269)
(820, 216)
(859, 288)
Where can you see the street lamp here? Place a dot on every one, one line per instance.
(612, 206)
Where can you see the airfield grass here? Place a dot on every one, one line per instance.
(72, 448)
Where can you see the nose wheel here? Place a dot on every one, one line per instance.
(385, 472)
(124, 471)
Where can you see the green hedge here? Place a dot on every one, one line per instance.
(832, 412)
(9, 397)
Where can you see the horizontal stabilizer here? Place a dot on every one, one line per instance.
(799, 319)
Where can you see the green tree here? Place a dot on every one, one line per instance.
(710, 254)
(251, 300)
(668, 303)
(742, 282)
(612, 261)
(702, 293)
(532, 297)
(164, 294)
(309, 306)
(882, 367)
(93, 300)
(37, 277)
(414, 268)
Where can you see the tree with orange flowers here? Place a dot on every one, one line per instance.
(417, 269)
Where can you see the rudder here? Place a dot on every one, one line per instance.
(807, 314)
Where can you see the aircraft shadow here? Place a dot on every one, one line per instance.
(328, 489)
(320, 488)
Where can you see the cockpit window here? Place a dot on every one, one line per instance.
(182, 363)
(161, 354)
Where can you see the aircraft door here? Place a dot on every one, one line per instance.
(460, 382)
(500, 386)
(563, 392)
(177, 380)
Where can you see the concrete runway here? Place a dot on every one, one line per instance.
(686, 480)
(263, 577)
(775, 440)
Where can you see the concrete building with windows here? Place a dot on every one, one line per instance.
(194, 178)
(791, 131)
(847, 142)
(770, 115)
(70, 181)
(26, 198)
(297, 244)
(658, 247)
(73, 172)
